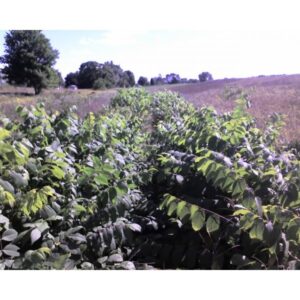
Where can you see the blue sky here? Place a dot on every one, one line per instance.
(229, 53)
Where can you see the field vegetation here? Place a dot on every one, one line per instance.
(267, 94)
(150, 182)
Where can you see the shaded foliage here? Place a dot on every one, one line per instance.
(71, 79)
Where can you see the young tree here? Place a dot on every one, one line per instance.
(28, 59)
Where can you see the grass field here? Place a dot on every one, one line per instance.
(268, 94)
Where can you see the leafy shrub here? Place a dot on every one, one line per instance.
(192, 190)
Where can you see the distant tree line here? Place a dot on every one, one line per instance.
(94, 75)
(173, 78)
(29, 60)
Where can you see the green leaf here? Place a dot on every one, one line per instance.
(36, 130)
(194, 208)
(18, 179)
(238, 187)
(59, 262)
(112, 193)
(257, 230)
(272, 235)
(24, 150)
(198, 219)
(134, 227)
(79, 209)
(11, 250)
(9, 235)
(47, 190)
(293, 230)
(169, 199)
(9, 199)
(7, 186)
(101, 180)
(4, 133)
(291, 195)
(180, 207)
(57, 172)
(115, 258)
(212, 223)
(248, 199)
(241, 212)
(247, 220)
(183, 213)
(227, 184)
(35, 235)
(205, 166)
(45, 250)
(172, 207)
(121, 188)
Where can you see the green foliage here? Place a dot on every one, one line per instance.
(28, 59)
(71, 79)
(94, 75)
(151, 182)
(143, 81)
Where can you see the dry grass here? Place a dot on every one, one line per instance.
(85, 100)
(267, 94)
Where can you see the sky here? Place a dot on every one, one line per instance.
(225, 54)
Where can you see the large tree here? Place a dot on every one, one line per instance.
(89, 72)
(92, 74)
(28, 59)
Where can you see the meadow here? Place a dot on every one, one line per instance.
(267, 94)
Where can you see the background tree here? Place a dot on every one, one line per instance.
(128, 78)
(205, 76)
(71, 79)
(143, 81)
(157, 80)
(111, 74)
(173, 78)
(28, 59)
(89, 72)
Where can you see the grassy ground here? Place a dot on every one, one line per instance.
(268, 94)
(86, 100)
